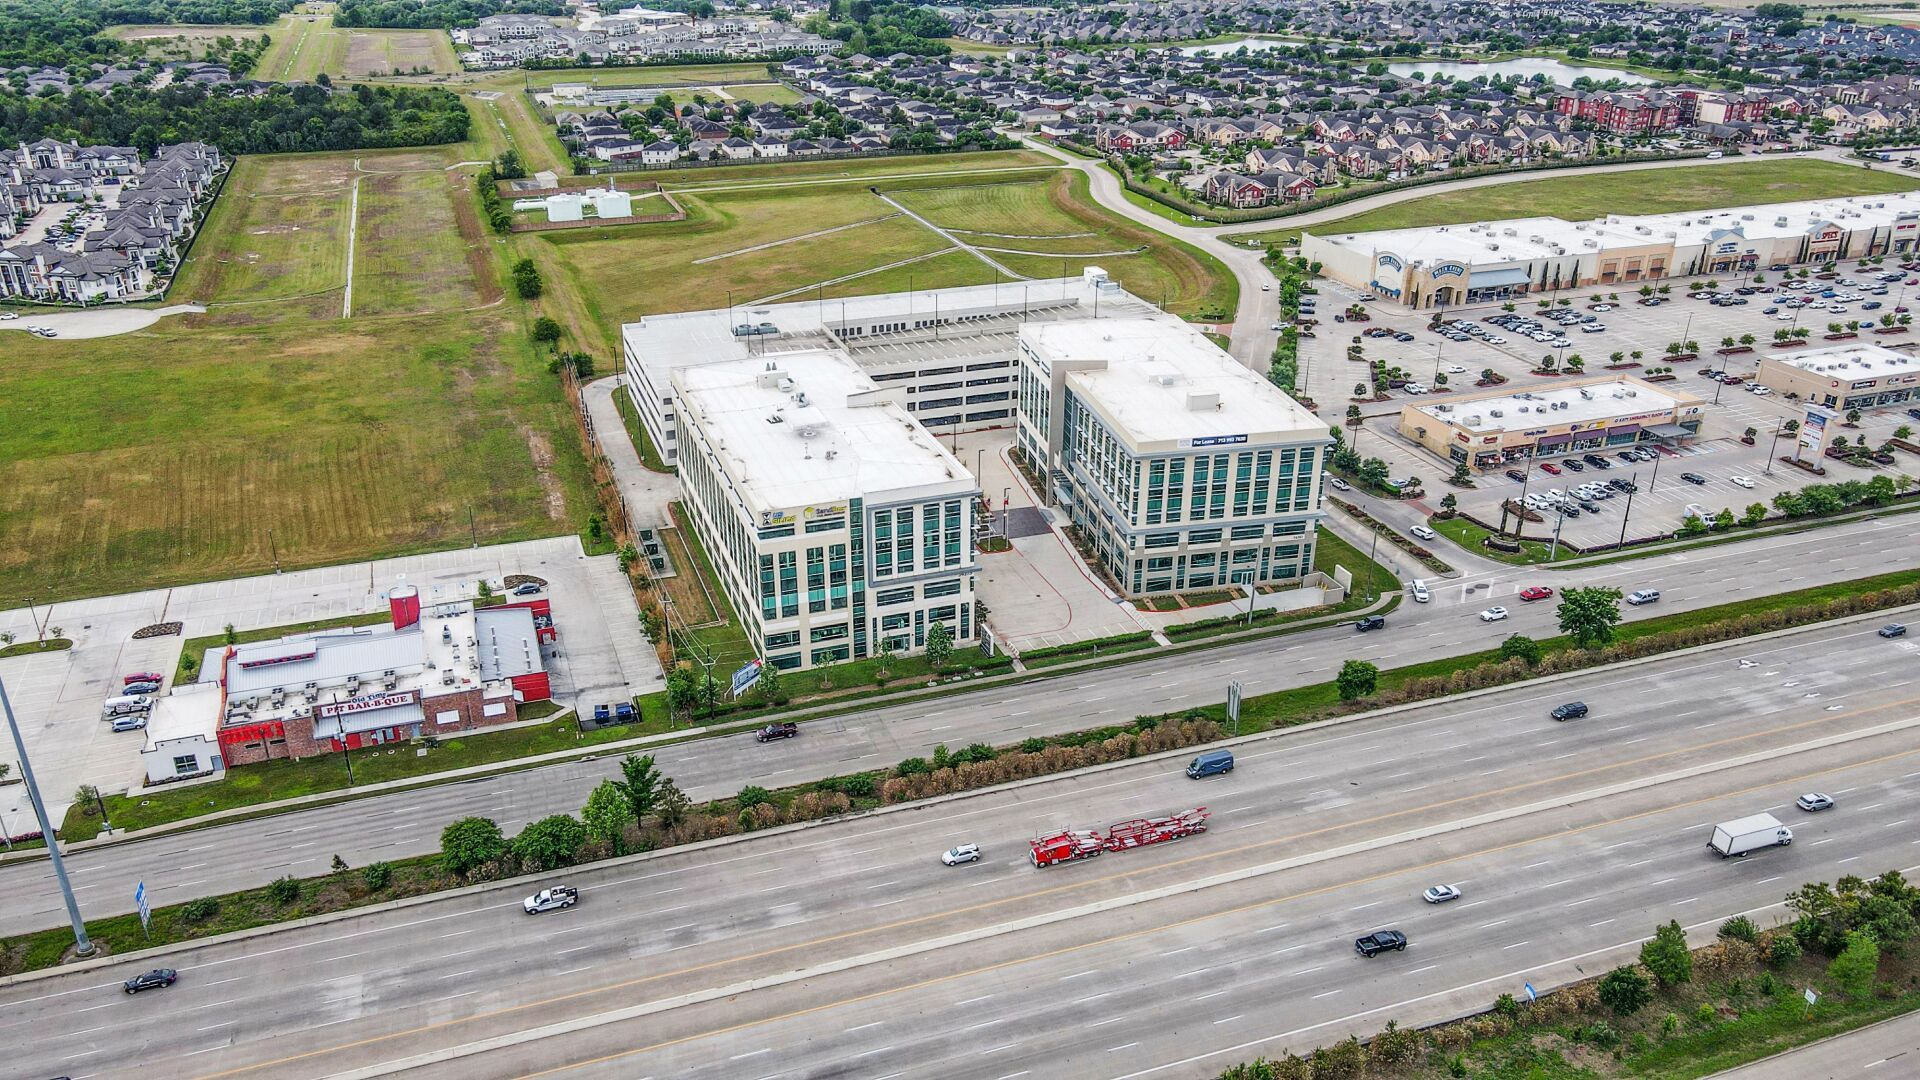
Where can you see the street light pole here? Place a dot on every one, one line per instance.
(38, 634)
(1778, 430)
(81, 945)
(1625, 516)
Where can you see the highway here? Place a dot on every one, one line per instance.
(849, 941)
(1892, 1047)
(221, 859)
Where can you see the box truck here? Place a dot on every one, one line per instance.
(1749, 834)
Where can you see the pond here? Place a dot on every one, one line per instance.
(1556, 71)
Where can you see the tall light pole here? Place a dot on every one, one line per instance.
(38, 634)
(81, 945)
(1779, 428)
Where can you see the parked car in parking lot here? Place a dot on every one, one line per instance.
(1693, 478)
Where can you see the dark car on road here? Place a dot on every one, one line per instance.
(1572, 710)
(527, 588)
(156, 979)
(776, 731)
(1693, 478)
(1380, 941)
(1371, 622)
(1893, 630)
(1516, 476)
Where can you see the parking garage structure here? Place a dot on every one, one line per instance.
(1495, 429)
(1846, 377)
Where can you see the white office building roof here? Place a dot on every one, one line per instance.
(1852, 362)
(1164, 382)
(1529, 409)
(811, 429)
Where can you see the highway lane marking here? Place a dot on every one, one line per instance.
(1328, 994)
(1235, 911)
(1417, 971)
(984, 905)
(1229, 1019)
(1064, 978)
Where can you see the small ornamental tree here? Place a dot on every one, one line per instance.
(1667, 955)
(1625, 991)
(470, 843)
(1357, 679)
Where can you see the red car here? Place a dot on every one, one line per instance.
(142, 676)
(1550, 469)
(1535, 592)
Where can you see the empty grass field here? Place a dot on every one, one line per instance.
(399, 52)
(763, 93)
(671, 75)
(1062, 230)
(171, 42)
(413, 254)
(425, 421)
(850, 169)
(279, 231)
(1643, 191)
(165, 456)
(757, 242)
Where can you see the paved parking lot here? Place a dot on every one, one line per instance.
(1716, 456)
(600, 656)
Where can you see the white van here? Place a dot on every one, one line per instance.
(125, 706)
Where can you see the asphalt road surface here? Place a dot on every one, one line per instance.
(1883, 1051)
(217, 860)
(849, 943)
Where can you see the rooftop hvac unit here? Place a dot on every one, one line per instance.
(1510, 232)
(776, 418)
(1643, 230)
(1523, 408)
(1492, 246)
(1496, 412)
(1633, 393)
(1587, 394)
(1780, 223)
(1746, 217)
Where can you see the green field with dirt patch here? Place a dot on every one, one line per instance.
(1640, 191)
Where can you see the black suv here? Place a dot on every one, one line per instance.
(1380, 941)
(151, 980)
(776, 731)
(1371, 622)
(1572, 710)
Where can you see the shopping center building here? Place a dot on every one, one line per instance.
(1847, 377)
(836, 523)
(1182, 468)
(1496, 429)
(1492, 262)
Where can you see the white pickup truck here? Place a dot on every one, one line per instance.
(560, 896)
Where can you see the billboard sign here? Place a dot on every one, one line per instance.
(746, 677)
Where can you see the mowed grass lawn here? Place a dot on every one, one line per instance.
(303, 47)
(1645, 191)
(1060, 228)
(278, 231)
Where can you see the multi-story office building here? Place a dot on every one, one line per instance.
(1183, 469)
(950, 350)
(835, 521)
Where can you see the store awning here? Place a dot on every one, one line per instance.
(1670, 431)
(1493, 279)
(1553, 440)
(1623, 429)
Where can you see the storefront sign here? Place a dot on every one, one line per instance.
(364, 704)
(1391, 262)
(1449, 270)
(1217, 440)
(771, 518)
(821, 513)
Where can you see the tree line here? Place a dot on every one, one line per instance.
(280, 119)
(436, 14)
(64, 33)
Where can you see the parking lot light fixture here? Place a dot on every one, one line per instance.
(82, 946)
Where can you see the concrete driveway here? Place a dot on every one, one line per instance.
(96, 322)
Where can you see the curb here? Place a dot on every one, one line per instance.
(804, 715)
(525, 880)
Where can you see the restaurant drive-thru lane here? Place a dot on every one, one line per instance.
(1316, 814)
(252, 853)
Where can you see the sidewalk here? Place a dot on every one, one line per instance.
(646, 492)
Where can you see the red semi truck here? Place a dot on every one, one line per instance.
(1089, 843)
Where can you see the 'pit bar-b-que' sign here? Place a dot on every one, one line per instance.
(364, 704)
